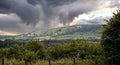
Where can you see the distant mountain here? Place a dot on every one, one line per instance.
(2, 37)
(90, 32)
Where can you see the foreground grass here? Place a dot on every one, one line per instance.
(53, 62)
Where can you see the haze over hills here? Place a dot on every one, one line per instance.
(90, 32)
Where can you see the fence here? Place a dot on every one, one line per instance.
(49, 61)
(71, 61)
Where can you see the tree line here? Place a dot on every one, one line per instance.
(34, 50)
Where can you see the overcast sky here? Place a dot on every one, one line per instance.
(23, 16)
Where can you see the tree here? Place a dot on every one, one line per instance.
(1, 44)
(29, 56)
(36, 47)
(3, 52)
(111, 39)
(15, 51)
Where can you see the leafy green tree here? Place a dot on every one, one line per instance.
(37, 47)
(29, 55)
(3, 52)
(79, 48)
(58, 51)
(111, 39)
(15, 51)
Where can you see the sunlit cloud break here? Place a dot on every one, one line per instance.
(7, 33)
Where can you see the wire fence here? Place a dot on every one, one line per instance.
(65, 61)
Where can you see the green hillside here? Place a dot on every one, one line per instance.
(90, 32)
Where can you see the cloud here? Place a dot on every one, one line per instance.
(7, 33)
(12, 23)
(44, 14)
(28, 13)
(95, 21)
(34, 11)
(114, 4)
(98, 16)
(66, 13)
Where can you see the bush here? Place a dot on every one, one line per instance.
(36, 47)
(81, 49)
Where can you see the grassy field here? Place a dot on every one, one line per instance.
(53, 62)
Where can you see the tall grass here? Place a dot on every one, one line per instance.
(53, 62)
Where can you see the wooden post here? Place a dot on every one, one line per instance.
(3, 61)
(26, 62)
(74, 61)
(49, 60)
(95, 60)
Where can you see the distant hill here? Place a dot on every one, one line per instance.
(90, 32)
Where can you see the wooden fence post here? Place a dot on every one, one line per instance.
(3, 61)
(96, 61)
(49, 60)
(26, 62)
(74, 60)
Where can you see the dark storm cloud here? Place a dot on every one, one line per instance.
(42, 13)
(27, 12)
(51, 2)
(68, 12)
(33, 11)
(12, 23)
(62, 11)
